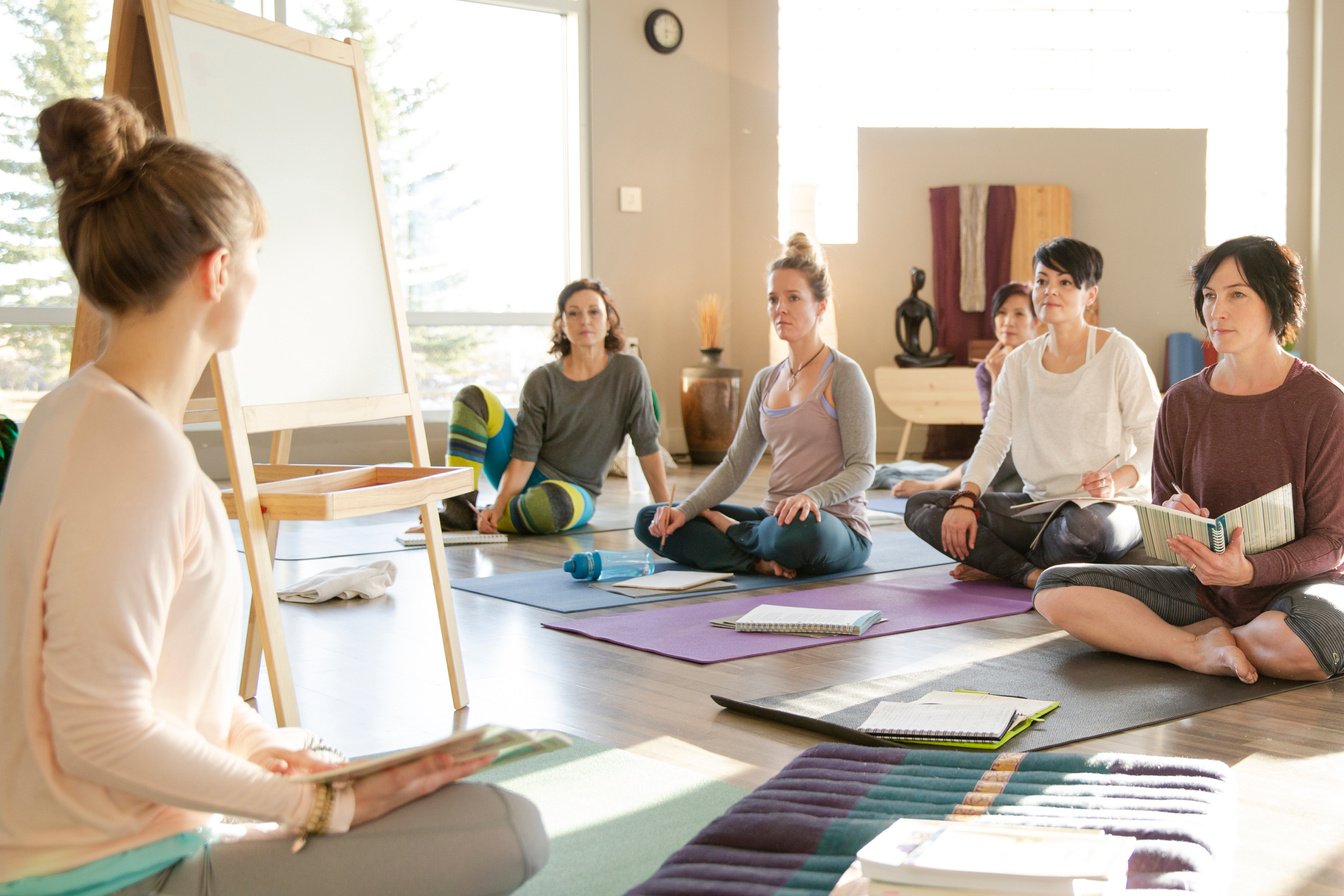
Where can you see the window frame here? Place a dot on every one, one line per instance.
(578, 249)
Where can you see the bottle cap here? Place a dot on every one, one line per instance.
(580, 566)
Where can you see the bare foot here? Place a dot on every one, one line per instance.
(907, 487)
(771, 568)
(721, 521)
(1217, 653)
(963, 573)
(1204, 626)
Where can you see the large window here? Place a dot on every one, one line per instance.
(479, 117)
(846, 64)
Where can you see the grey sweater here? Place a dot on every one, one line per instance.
(573, 429)
(857, 424)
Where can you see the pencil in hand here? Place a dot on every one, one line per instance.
(1104, 467)
(671, 496)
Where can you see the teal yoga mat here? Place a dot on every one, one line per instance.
(554, 589)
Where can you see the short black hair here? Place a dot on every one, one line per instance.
(1272, 270)
(1073, 257)
(1006, 292)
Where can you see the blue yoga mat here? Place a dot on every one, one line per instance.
(887, 504)
(555, 589)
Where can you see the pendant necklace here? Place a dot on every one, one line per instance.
(793, 374)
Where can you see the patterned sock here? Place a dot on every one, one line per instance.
(480, 436)
(548, 507)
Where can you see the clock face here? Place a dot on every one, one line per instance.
(663, 30)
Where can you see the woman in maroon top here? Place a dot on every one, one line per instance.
(1256, 419)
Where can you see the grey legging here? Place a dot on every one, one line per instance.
(466, 839)
(1003, 543)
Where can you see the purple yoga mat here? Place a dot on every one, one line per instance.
(683, 632)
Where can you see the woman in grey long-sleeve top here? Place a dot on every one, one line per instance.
(815, 412)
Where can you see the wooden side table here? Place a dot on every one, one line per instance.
(929, 395)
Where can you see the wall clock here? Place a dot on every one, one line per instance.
(662, 29)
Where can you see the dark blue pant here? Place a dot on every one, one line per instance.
(811, 547)
(1098, 533)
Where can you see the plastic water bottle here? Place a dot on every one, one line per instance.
(634, 473)
(607, 566)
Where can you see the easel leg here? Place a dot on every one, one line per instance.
(281, 442)
(443, 599)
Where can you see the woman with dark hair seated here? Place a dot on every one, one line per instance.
(1255, 420)
(1072, 405)
(1015, 323)
(573, 416)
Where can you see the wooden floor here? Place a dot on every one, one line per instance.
(370, 676)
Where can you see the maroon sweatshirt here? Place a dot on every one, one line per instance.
(1226, 450)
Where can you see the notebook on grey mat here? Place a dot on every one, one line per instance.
(1099, 693)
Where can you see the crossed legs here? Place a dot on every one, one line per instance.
(1164, 621)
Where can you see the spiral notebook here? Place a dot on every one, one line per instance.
(803, 620)
(940, 721)
(417, 539)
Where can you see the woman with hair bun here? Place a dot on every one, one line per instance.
(814, 411)
(123, 740)
(1255, 420)
(573, 416)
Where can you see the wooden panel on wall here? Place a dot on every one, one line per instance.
(1043, 211)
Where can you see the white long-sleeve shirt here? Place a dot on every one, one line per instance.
(1062, 424)
(120, 616)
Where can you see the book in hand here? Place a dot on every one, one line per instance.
(1026, 712)
(805, 620)
(417, 539)
(997, 858)
(507, 744)
(1265, 523)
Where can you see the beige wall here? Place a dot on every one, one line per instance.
(697, 131)
(661, 123)
(1138, 195)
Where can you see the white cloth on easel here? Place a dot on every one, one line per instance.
(345, 582)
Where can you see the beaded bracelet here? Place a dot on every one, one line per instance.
(319, 816)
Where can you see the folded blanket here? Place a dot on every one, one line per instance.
(345, 582)
(799, 832)
(888, 475)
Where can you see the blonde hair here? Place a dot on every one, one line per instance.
(801, 255)
(136, 209)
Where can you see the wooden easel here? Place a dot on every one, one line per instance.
(328, 296)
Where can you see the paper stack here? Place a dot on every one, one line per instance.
(916, 857)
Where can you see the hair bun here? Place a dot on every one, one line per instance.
(84, 142)
(800, 246)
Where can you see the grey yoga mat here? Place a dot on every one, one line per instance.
(1098, 693)
(554, 589)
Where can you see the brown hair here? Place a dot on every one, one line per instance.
(560, 345)
(802, 256)
(1272, 270)
(136, 208)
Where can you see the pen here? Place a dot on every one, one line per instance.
(1104, 467)
(671, 495)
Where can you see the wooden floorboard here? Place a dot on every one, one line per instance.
(370, 676)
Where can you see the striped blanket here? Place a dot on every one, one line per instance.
(798, 833)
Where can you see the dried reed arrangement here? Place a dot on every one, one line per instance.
(709, 318)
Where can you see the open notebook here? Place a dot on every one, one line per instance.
(1265, 523)
(507, 744)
